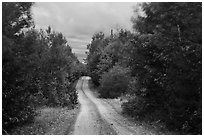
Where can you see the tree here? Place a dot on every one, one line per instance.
(15, 16)
(15, 109)
(93, 57)
(167, 61)
(104, 53)
(36, 66)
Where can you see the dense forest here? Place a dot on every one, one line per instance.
(38, 67)
(158, 66)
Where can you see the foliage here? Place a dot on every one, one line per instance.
(166, 60)
(37, 67)
(77, 71)
(114, 82)
(15, 108)
(93, 56)
(105, 52)
(15, 16)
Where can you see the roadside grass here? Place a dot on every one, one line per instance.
(50, 121)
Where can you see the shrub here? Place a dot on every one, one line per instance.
(134, 107)
(114, 82)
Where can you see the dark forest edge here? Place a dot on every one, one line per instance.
(159, 68)
(38, 67)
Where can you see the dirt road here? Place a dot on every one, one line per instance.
(97, 117)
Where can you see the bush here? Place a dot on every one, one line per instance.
(114, 82)
(134, 107)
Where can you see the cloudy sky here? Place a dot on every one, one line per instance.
(79, 21)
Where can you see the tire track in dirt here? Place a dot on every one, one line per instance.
(89, 121)
(97, 117)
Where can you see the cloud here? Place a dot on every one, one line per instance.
(79, 21)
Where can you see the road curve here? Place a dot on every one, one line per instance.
(97, 117)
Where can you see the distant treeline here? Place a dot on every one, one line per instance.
(159, 66)
(38, 67)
